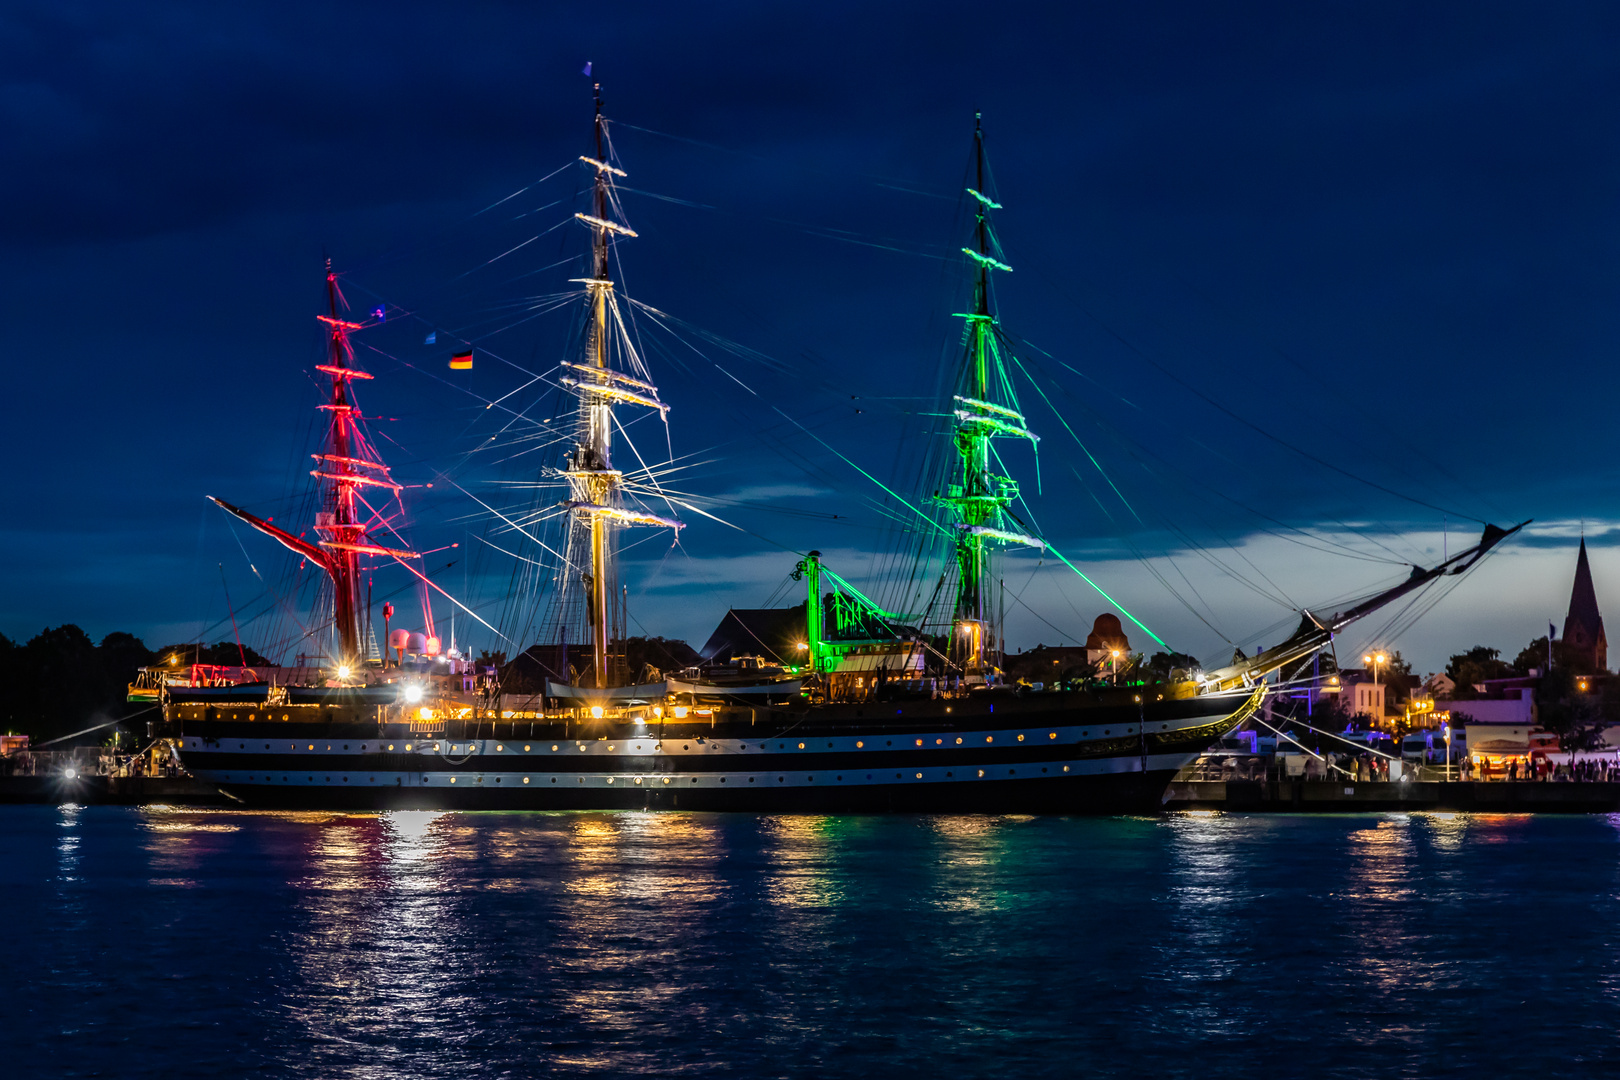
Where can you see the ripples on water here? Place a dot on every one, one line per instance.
(158, 942)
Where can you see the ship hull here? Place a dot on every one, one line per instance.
(1052, 756)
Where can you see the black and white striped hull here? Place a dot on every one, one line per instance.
(1100, 761)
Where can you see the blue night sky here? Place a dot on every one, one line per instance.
(1318, 288)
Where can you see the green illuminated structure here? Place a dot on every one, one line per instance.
(986, 408)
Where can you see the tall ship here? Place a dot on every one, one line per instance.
(878, 710)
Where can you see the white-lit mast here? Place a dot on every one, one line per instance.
(596, 486)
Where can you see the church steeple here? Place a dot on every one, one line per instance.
(1583, 627)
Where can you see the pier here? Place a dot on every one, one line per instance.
(1332, 796)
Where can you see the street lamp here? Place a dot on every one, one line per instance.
(1373, 661)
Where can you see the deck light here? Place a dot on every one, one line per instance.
(413, 694)
(596, 712)
(680, 712)
(343, 672)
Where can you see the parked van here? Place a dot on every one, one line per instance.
(1419, 745)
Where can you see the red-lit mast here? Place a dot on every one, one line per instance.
(340, 530)
(346, 464)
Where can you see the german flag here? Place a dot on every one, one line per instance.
(461, 361)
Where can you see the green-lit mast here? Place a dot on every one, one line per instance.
(985, 408)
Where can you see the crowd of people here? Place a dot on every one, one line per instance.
(1543, 768)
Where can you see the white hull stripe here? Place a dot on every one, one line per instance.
(458, 750)
(675, 781)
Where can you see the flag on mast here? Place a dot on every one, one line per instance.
(461, 361)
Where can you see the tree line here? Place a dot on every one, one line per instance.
(61, 681)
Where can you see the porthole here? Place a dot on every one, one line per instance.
(553, 779)
(809, 779)
(498, 748)
(407, 746)
(949, 775)
(981, 772)
(638, 781)
(829, 746)
(390, 746)
(554, 746)
(1043, 768)
(1020, 738)
(610, 779)
(840, 778)
(939, 742)
(1052, 735)
(345, 779)
(312, 746)
(285, 717)
(666, 779)
(897, 776)
(780, 779)
(345, 746)
(959, 740)
(858, 744)
(919, 776)
(525, 748)
(610, 749)
(889, 742)
(919, 742)
(1065, 768)
(452, 779)
(989, 738)
(1012, 772)
(801, 746)
(750, 779)
(694, 780)
(239, 746)
(292, 746)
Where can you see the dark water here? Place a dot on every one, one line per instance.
(176, 943)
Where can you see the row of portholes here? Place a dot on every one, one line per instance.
(641, 780)
(195, 743)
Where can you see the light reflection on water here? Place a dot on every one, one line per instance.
(419, 944)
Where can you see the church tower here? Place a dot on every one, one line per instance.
(1583, 627)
